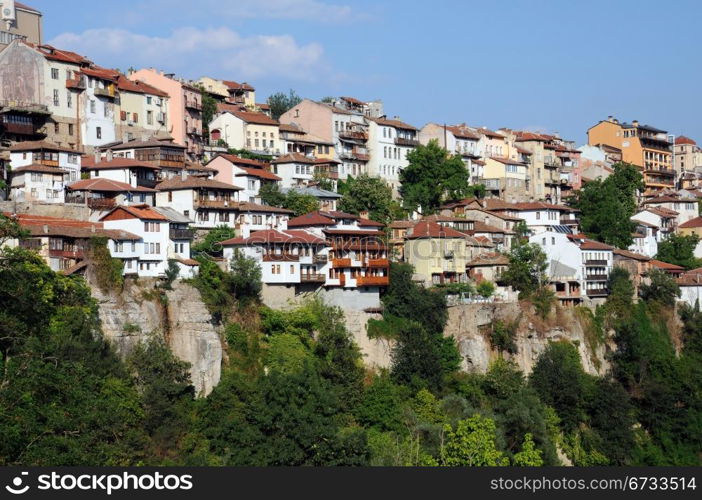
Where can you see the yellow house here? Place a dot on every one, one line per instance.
(642, 145)
(439, 254)
(693, 226)
(242, 94)
(506, 179)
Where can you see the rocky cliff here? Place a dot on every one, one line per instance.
(138, 311)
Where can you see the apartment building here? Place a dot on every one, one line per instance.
(228, 91)
(184, 108)
(439, 254)
(506, 178)
(135, 173)
(142, 111)
(295, 140)
(19, 22)
(647, 147)
(101, 195)
(688, 156)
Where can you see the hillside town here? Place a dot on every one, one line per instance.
(154, 163)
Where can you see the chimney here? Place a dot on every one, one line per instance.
(110, 156)
(635, 123)
(364, 214)
(183, 174)
(609, 118)
(97, 156)
(46, 229)
(92, 228)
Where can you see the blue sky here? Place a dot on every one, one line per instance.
(557, 66)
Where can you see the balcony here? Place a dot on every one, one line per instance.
(660, 171)
(191, 104)
(108, 92)
(321, 259)
(281, 257)
(147, 183)
(602, 263)
(551, 162)
(194, 131)
(181, 234)
(354, 136)
(6, 38)
(401, 141)
(378, 263)
(101, 203)
(360, 154)
(67, 254)
(313, 278)
(600, 292)
(222, 203)
(372, 280)
(341, 263)
(596, 277)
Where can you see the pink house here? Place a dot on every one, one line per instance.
(184, 107)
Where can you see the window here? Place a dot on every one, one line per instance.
(133, 246)
(150, 117)
(36, 177)
(119, 246)
(56, 97)
(98, 132)
(54, 73)
(252, 185)
(92, 106)
(69, 99)
(148, 99)
(106, 111)
(158, 248)
(56, 128)
(292, 269)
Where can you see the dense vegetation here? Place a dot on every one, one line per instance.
(294, 390)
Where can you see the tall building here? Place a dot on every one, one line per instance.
(688, 155)
(19, 22)
(641, 145)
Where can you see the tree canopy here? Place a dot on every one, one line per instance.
(679, 250)
(280, 102)
(432, 176)
(369, 194)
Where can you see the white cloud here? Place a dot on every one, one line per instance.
(193, 52)
(285, 9)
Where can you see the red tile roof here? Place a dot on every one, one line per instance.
(369, 223)
(430, 229)
(258, 172)
(39, 225)
(40, 145)
(494, 259)
(507, 161)
(144, 212)
(667, 267)
(26, 7)
(237, 160)
(61, 55)
(684, 140)
(248, 116)
(34, 167)
(101, 73)
(353, 100)
(311, 219)
(126, 85)
(692, 223)
(662, 212)
(631, 255)
(463, 132)
(237, 86)
(489, 133)
(106, 185)
(393, 123)
(594, 245)
(295, 158)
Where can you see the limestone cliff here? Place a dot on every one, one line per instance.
(130, 316)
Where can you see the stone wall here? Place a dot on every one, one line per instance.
(66, 210)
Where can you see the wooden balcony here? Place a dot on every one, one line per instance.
(281, 257)
(205, 203)
(372, 280)
(108, 92)
(182, 234)
(101, 203)
(321, 259)
(401, 141)
(602, 263)
(378, 263)
(602, 292)
(596, 277)
(341, 263)
(313, 278)
(67, 254)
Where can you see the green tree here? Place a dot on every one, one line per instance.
(485, 288)
(245, 278)
(211, 244)
(529, 456)
(472, 444)
(621, 293)
(172, 272)
(10, 229)
(680, 251)
(271, 194)
(662, 288)
(381, 405)
(299, 203)
(280, 102)
(527, 269)
(368, 194)
(209, 108)
(287, 354)
(607, 206)
(432, 176)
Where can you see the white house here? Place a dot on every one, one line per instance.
(148, 256)
(646, 238)
(685, 207)
(48, 154)
(565, 264)
(136, 173)
(660, 218)
(294, 169)
(179, 241)
(253, 131)
(247, 174)
(690, 285)
(539, 216)
(210, 203)
(98, 106)
(389, 142)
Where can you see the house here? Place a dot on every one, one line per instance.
(693, 226)
(661, 219)
(539, 215)
(647, 147)
(294, 169)
(398, 232)
(148, 255)
(249, 175)
(488, 266)
(686, 207)
(101, 194)
(142, 111)
(296, 140)
(208, 202)
(48, 154)
(566, 267)
(672, 269)
(242, 94)
(251, 217)
(180, 236)
(38, 183)
(250, 130)
(389, 143)
(597, 263)
(506, 178)
(184, 107)
(136, 173)
(438, 253)
(646, 238)
(341, 123)
(636, 264)
(291, 257)
(688, 155)
(359, 264)
(690, 284)
(168, 156)
(64, 243)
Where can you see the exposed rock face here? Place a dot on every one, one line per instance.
(470, 325)
(131, 316)
(376, 352)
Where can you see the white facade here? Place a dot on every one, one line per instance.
(39, 186)
(149, 257)
(388, 151)
(294, 173)
(97, 124)
(65, 160)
